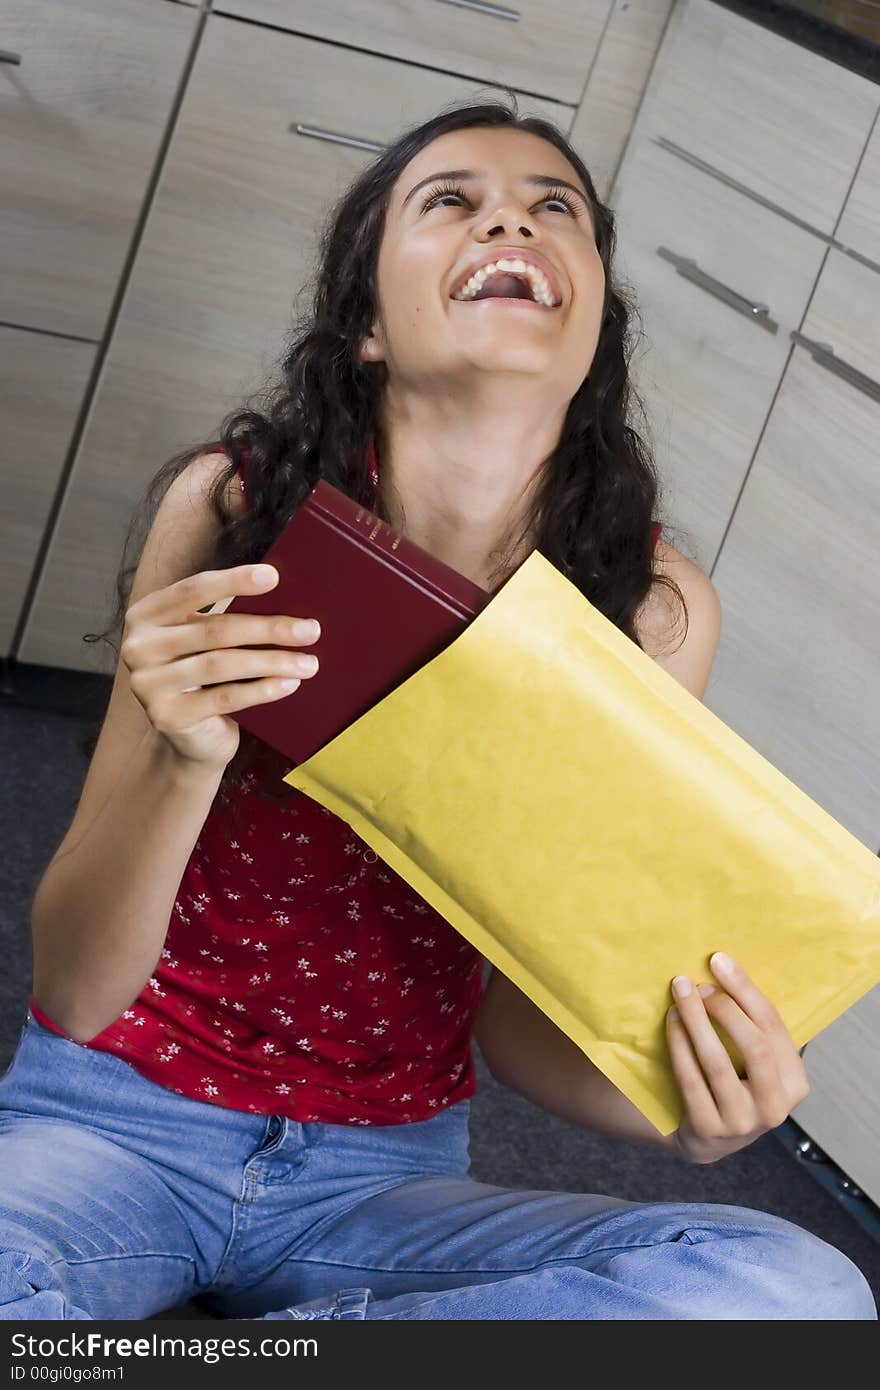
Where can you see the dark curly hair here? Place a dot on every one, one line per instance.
(591, 515)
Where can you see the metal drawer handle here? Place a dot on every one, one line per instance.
(494, 11)
(7, 57)
(823, 353)
(297, 128)
(687, 266)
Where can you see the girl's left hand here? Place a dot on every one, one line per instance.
(723, 1113)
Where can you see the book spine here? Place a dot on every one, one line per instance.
(387, 545)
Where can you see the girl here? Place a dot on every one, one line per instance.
(248, 1038)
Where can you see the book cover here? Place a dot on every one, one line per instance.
(386, 606)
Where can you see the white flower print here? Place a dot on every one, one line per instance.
(154, 985)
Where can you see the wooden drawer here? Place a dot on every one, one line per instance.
(41, 391)
(544, 46)
(706, 370)
(787, 123)
(230, 241)
(82, 115)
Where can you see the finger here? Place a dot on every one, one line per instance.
(194, 592)
(760, 1054)
(731, 1099)
(731, 975)
(699, 1101)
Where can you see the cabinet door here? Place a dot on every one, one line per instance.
(82, 112)
(42, 385)
(231, 239)
(702, 259)
(859, 227)
(779, 119)
(544, 46)
(798, 666)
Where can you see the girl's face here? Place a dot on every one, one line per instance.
(521, 194)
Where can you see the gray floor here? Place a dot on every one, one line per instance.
(512, 1142)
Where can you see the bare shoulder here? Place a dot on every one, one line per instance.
(660, 621)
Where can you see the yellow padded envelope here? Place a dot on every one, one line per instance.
(593, 829)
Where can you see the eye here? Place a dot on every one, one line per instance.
(454, 190)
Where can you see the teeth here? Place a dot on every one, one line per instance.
(537, 279)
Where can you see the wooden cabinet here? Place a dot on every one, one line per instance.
(86, 92)
(798, 665)
(228, 247)
(859, 227)
(83, 112)
(541, 46)
(778, 119)
(703, 260)
(42, 388)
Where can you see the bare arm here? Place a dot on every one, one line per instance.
(524, 1050)
(521, 1046)
(101, 912)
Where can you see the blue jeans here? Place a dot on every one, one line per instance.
(120, 1199)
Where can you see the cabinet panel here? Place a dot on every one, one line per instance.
(860, 224)
(707, 371)
(787, 123)
(82, 115)
(41, 390)
(798, 665)
(615, 86)
(543, 46)
(231, 238)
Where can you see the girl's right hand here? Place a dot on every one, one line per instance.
(187, 668)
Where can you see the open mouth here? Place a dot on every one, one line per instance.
(507, 286)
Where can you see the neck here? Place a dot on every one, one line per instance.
(461, 489)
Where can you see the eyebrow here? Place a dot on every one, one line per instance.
(536, 180)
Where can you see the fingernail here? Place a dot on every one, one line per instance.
(705, 990)
(681, 986)
(721, 962)
(263, 574)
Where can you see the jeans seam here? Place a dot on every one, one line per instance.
(125, 1255)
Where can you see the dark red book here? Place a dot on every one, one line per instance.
(385, 605)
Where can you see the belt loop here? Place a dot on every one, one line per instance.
(352, 1303)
